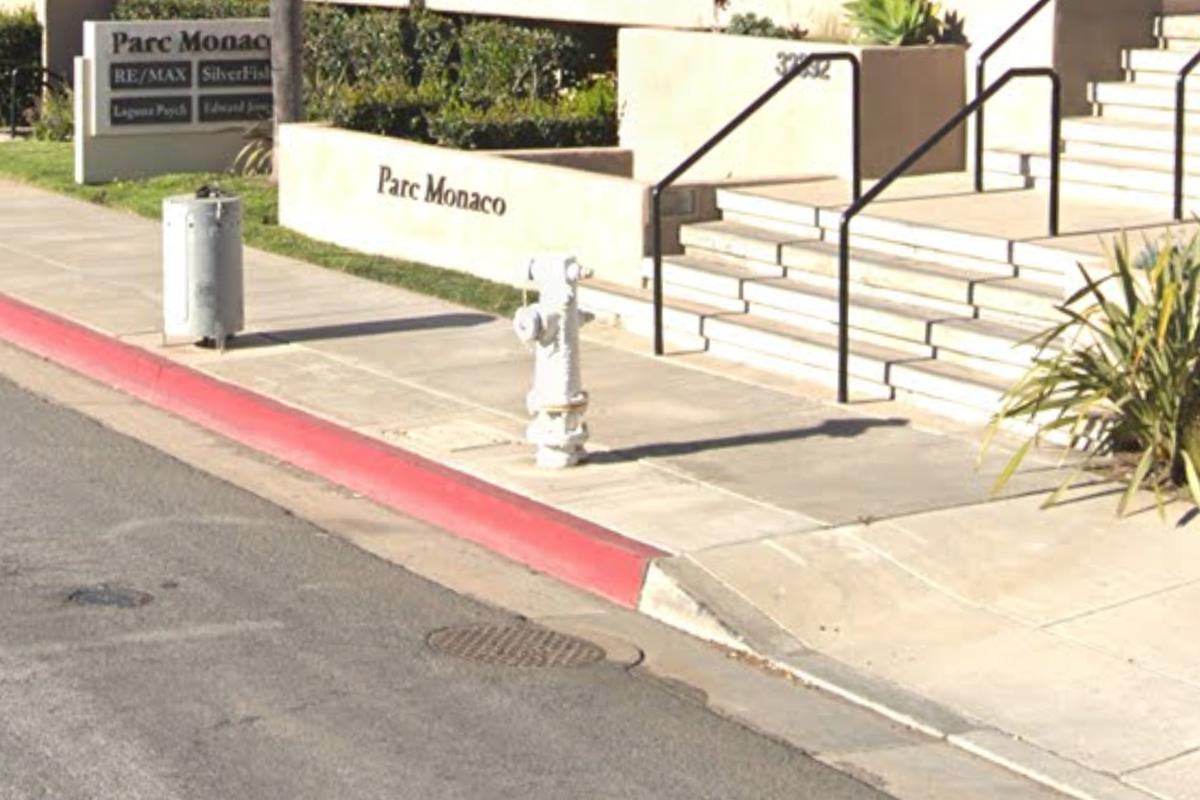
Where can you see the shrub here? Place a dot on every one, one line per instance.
(754, 25)
(423, 76)
(502, 60)
(1126, 386)
(392, 108)
(343, 46)
(520, 127)
(898, 22)
(190, 9)
(20, 45)
(54, 120)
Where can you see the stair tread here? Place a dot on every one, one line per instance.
(858, 349)
(1109, 162)
(1026, 286)
(958, 372)
(1124, 124)
(745, 231)
(646, 295)
(1133, 87)
(884, 259)
(993, 328)
(724, 268)
(873, 303)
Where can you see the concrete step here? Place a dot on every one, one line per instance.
(962, 381)
(981, 338)
(1019, 298)
(633, 311)
(1120, 196)
(767, 208)
(1149, 115)
(1049, 264)
(1159, 79)
(1141, 95)
(1179, 43)
(873, 231)
(860, 390)
(948, 381)
(797, 230)
(612, 303)
(1098, 173)
(1158, 60)
(737, 240)
(912, 277)
(1131, 156)
(867, 362)
(925, 235)
(999, 370)
(889, 322)
(1127, 133)
(713, 276)
(1180, 26)
(798, 298)
(862, 241)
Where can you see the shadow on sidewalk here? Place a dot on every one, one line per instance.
(353, 329)
(830, 428)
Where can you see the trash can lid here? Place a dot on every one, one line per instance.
(211, 191)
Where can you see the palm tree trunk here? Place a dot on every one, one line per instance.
(287, 70)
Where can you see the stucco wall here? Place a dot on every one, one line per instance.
(63, 22)
(330, 185)
(805, 130)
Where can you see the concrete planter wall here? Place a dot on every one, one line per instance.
(678, 88)
(483, 213)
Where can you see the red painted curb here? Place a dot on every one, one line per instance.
(569, 548)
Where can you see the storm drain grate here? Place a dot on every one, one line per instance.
(514, 646)
(105, 595)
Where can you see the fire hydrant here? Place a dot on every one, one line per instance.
(557, 400)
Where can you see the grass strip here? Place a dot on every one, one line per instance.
(50, 165)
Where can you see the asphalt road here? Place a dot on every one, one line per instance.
(275, 661)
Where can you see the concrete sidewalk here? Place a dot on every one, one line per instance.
(856, 546)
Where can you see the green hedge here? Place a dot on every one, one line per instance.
(539, 126)
(190, 9)
(583, 117)
(20, 44)
(502, 60)
(391, 109)
(433, 78)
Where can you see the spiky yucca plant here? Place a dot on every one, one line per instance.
(257, 155)
(896, 22)
(1125, 386)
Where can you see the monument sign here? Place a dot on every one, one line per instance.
(176, 96)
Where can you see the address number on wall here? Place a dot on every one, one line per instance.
(818, 70)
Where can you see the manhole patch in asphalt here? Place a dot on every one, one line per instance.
(106, 595)
(527, 646)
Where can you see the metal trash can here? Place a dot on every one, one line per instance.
(202, 266)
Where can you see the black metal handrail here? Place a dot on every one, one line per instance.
(979, 81)
(1180, 111)
(916, 155)
(47, 78)
(656, 192)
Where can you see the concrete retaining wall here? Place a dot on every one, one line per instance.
(678, 88)
(481, 213)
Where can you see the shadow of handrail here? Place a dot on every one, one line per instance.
(354, 329)
(830, 428)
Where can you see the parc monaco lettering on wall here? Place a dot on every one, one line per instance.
(194, 41)
(437, 190)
